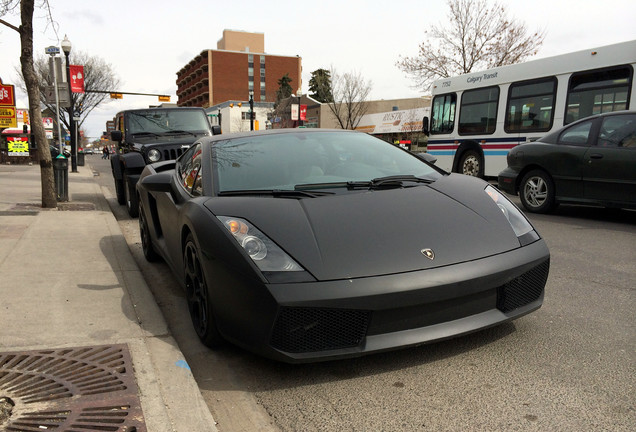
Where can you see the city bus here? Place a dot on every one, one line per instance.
(478, 117)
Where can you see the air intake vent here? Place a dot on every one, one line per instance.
(524, 289)
(300, 330)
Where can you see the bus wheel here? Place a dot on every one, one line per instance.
(471, 164)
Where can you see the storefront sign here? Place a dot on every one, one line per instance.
(18, 146)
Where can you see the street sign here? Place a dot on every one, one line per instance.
(52, 50)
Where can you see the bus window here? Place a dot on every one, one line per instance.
(531, 106)
(478, 112)
(598, 91)
(443, 113)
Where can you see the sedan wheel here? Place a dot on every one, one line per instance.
(537, 192)
(146, 241)
(199, 297)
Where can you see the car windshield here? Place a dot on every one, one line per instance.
(312, 160)
(154, 122)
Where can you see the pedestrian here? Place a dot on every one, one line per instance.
(105, 153)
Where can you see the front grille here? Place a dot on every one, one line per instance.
(300, 329)
(173, 153)
(524, 289)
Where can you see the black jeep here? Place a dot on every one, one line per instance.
(145, 136)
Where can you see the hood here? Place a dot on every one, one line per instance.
(379, 232)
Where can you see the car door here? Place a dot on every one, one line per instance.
(169, 205)
(610, 164)
(565, 161)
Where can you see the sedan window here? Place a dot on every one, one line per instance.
(618, 131)
(576, 135)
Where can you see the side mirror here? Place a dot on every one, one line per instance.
(116, 136)
(425, 126)
(216, 130)
(427, 157)
(160, 182)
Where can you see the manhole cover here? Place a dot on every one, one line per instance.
(71, 389)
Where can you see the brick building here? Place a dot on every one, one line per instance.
(237, 67)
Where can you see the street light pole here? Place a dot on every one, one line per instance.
(251, 111)
(300, 122)
(66, 47)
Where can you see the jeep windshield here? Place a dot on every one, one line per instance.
(167, 121)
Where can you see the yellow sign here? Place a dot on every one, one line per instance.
(18, 146)
(6, 112)
(8, 122)
(164, 98)
(116, 96)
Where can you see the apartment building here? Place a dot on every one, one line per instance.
(237, 68)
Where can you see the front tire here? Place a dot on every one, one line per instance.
(471, 164)
(536, 192)
(198, 297)
(132, 201)
(146, 242)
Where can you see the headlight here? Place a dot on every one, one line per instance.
(518, 221)
(263, 251)
(154, 155)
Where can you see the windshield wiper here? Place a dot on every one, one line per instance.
(145, 133)
(278, 193)
(180, 131)
(388, 182)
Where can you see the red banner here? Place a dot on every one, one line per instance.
(77, 78)
(303, 112)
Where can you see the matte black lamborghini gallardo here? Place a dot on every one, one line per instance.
(306, 245)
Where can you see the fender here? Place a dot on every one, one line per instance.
(133, 162)
(115, 165)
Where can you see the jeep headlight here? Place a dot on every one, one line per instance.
(154, 155)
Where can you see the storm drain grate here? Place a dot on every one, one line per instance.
(71, 389)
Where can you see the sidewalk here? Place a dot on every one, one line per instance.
(76, 308)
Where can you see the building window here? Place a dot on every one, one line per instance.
(262, 61)
(262, 73)
(250, 71)
(262, 98)
(250, 58)
(245, 115)
(262, 85)
(250, 85)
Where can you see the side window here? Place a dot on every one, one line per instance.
(576, 135)
(188, 167)
(618, 131)
(478, 112)
(443, 113)
(531, 106)
(598, 91)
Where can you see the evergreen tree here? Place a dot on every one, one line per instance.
(320, 86)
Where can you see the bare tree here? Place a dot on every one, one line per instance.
(25, 30)
(350, 92)
(479, 37)
(99, 78)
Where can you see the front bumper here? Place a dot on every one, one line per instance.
(345, 318)
(507, 181)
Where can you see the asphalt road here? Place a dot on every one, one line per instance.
(570, 366)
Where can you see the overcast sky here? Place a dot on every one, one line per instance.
(147, 42)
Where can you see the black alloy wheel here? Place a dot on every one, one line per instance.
(536, 192)
(146, 242)
(132, 201)
(198, 297)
